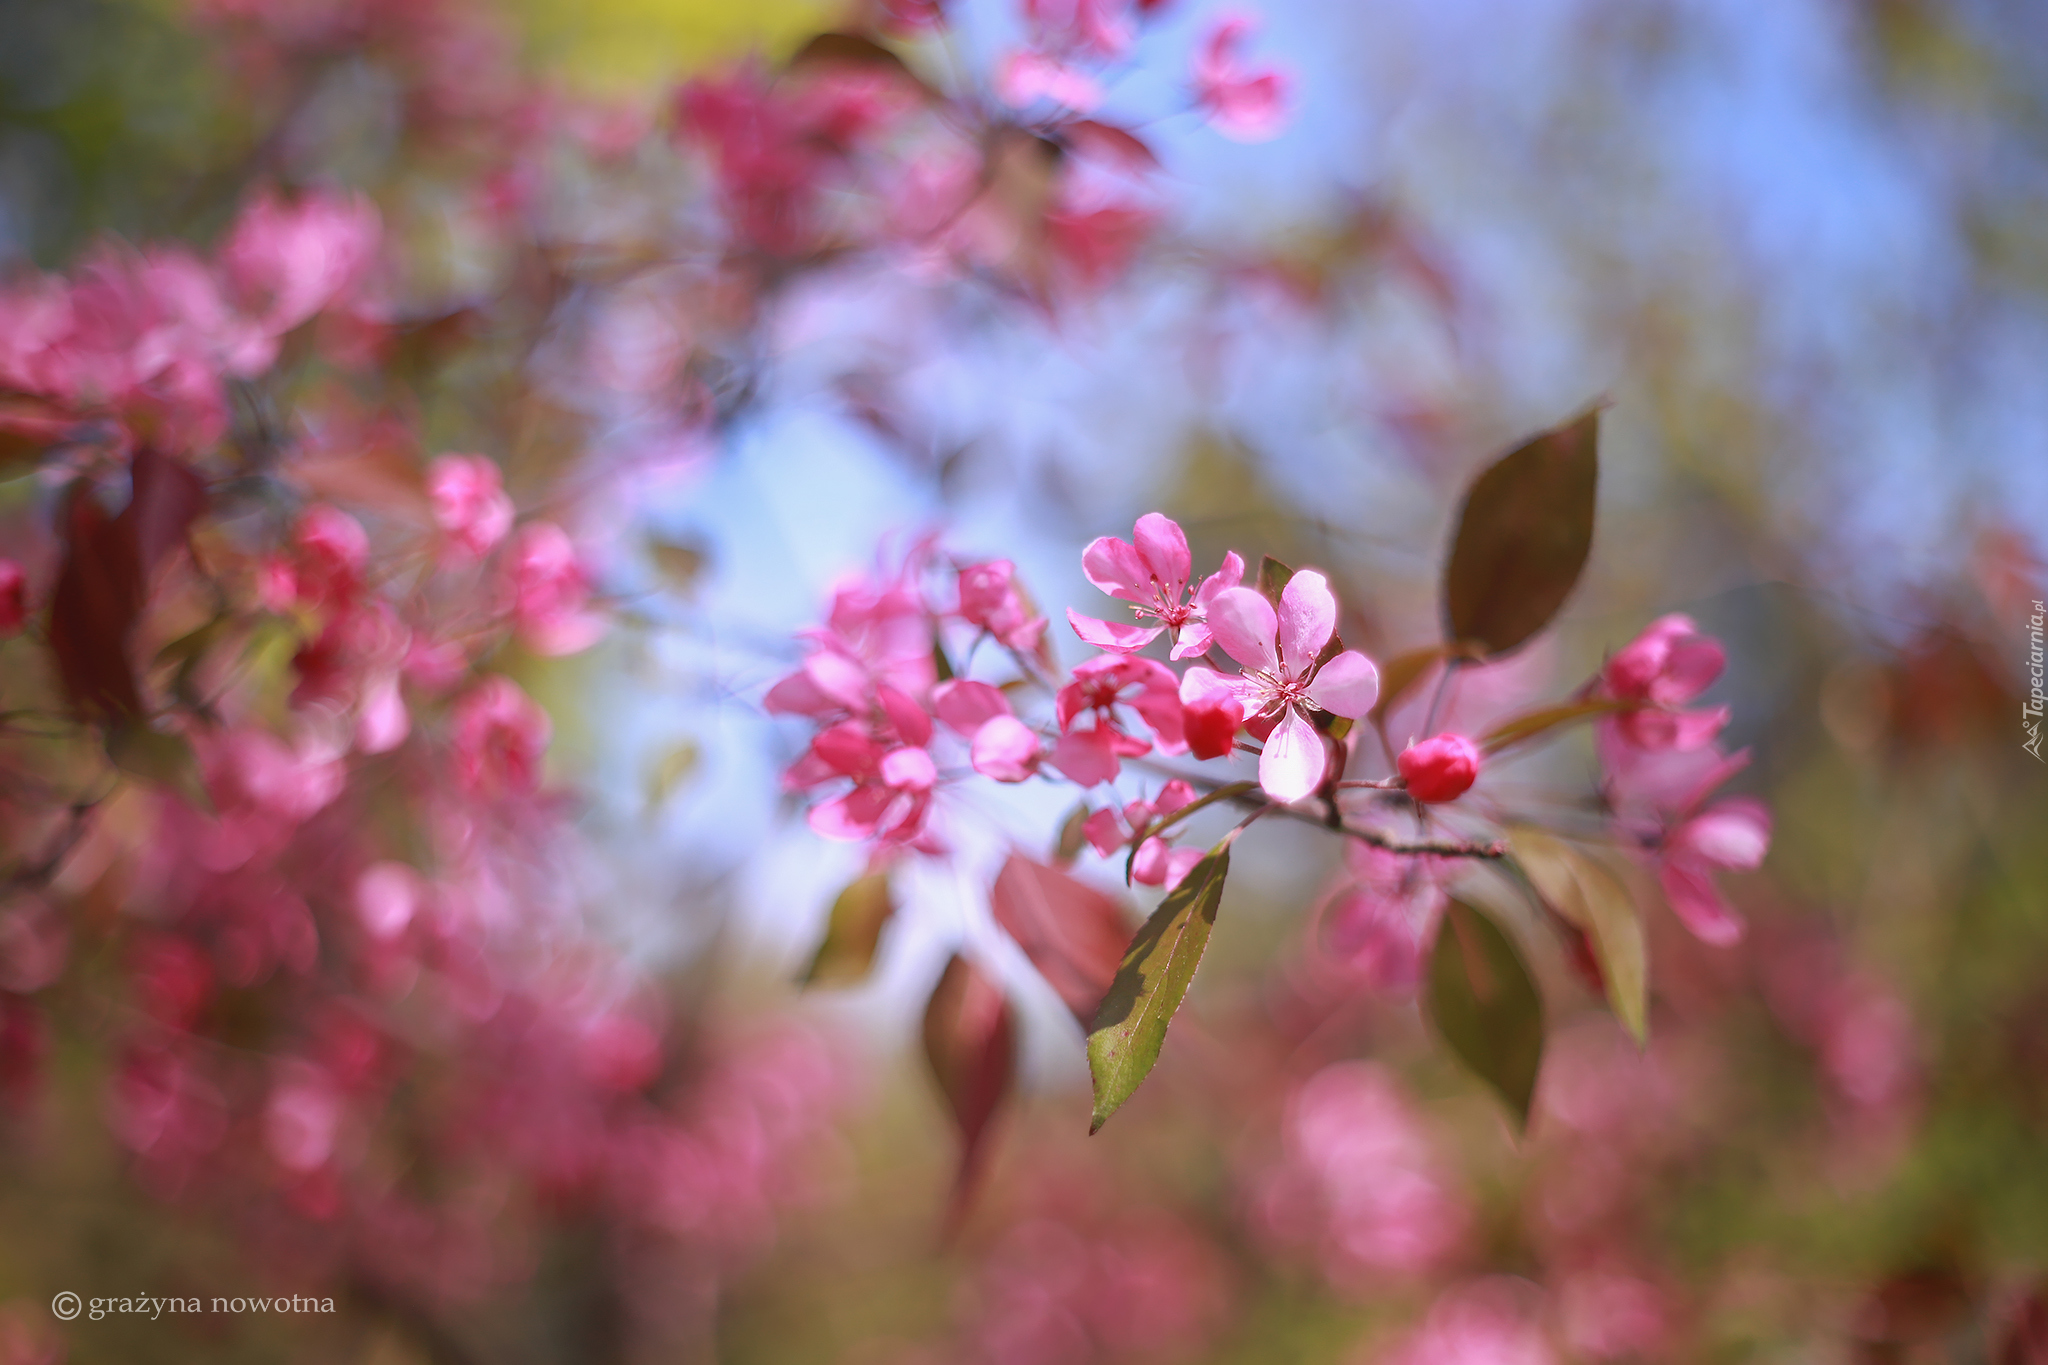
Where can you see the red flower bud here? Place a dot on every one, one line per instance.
(1211, 726)
(1441, 768)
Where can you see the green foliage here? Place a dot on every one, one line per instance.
(1485, 1004)
(1157, 968)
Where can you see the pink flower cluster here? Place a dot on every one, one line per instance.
(1662, 766)
(1359, 1182)
(143, 342)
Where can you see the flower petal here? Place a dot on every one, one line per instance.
(1115, 567)
(1698, 904)
(1104, 832)
(1293, 762)
(1110, 635)
(1195, 639)
(1230, 575)
(1005, 749)
(1348, 685)
(1086, 756)
(1244, 624)
(1735, 833)
(1308, 616)
(1164, 548)
(965, 706)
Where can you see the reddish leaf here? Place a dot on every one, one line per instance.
(1074, 934)
(970, 1038)
(1523, 535)
(1113, 143)
(104, 580)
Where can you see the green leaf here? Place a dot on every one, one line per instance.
(669, 771)
(852, 933)
(1130, 1024)
(1486, 1006)
(1585, 894)
(157, 757)
(1530, 724)
(1273, 578)
(1073, 836)
(1523, 537)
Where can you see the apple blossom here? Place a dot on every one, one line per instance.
(1666, 666)
(1285, 679)
(1152, 575)
(1103, 688)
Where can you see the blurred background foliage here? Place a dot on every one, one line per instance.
(1870, 564)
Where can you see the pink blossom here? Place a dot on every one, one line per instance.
(1484, 1322)
(1003, 747)
(500, 737)
(1211, 718)
(551, 592)
(302, 1119)
(876, 640)
(1152, 575)
(1024, 78)
(332, 553)
(892, 779)
(1244, 104)
(1666, 666)
(388, 895)
(990, 598)
(1440, 768)
(1732, 834)
(470, 503)
(1378, 922)
(286, 262)
(1283, 682)
(1102, 688)
(1158, 863)
(1360, 1179)
(13, 597)
(1100, 28)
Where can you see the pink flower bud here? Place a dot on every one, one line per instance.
(1440, 768)
(13, 597)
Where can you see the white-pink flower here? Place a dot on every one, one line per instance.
(1152, 575)
(1283, 682)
